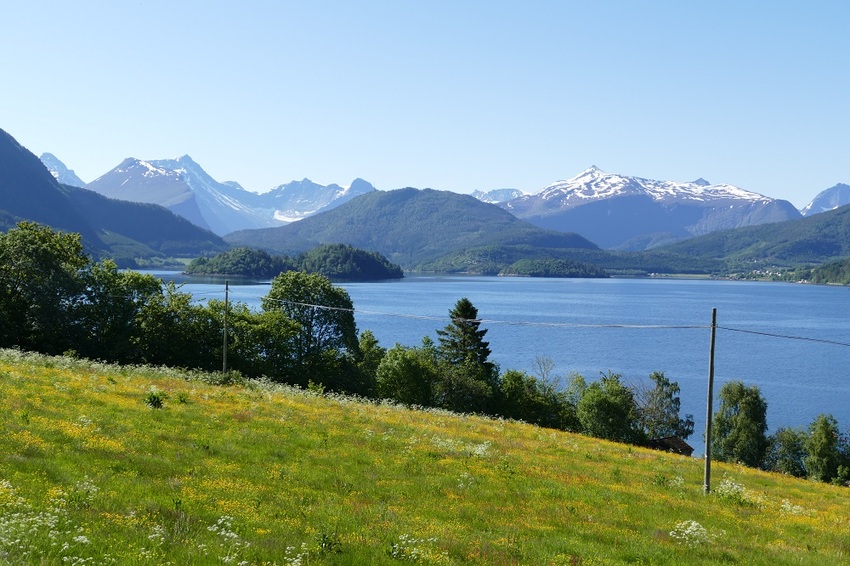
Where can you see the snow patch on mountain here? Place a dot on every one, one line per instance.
(497, 196)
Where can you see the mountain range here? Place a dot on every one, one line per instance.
(182, 186)
(122, 230)
(632, 213)
(615, 211)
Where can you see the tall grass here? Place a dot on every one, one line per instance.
(93, 472)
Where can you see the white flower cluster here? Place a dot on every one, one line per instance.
(691, 533)
(413, 549)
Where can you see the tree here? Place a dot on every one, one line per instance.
(108, 315)
(659, 409)
(177, 332)
(536, 401)
(468, 382)
(740, 425)
(40, 287)
(786, 452)
(463, 339)
(325, 317)
(607, 410)
(822, 447)
(371, 355)
(407, 375)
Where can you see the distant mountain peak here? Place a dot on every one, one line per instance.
(497, 196)
(701, 182)
(829, 199)
(60, 172)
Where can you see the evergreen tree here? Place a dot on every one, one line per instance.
(463, 340)
(468, 382)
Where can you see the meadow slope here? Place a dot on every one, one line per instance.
(251, 473)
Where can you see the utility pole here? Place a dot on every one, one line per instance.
(709, 409)
(226, 309)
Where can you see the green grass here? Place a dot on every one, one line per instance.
(91, 472)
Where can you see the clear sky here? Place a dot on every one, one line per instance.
(457, 95)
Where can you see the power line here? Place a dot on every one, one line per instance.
(562, 324)
(786, 336)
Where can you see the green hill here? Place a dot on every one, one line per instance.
(408, 227)
(814, 239)
(337, 262)
(106, 464)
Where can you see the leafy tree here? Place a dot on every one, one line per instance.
(786, 452)
(607, 410)
(325, 317)
(659, 409)
(40, 287)
(177, 332)
(536, 401)
(408, 375)
(740, 425)
(371, 355)
(107, 317)
(822, 446)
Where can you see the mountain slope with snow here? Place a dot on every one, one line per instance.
(298, 199)
(60, 171)
(623, 212)
(829, 199)
(497, 196)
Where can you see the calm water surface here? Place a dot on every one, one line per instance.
(591, 326)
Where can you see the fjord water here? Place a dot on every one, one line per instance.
(632, 327)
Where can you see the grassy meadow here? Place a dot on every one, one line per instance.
(102, 464)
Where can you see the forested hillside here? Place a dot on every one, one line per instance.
(408, 227)
(811, 240)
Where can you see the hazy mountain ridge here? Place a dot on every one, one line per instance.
(497, 196)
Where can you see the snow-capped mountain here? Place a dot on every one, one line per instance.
(829, 199)
(497, 196)
(298, 199)
(618, 211)
(183, 186)
(60, 172)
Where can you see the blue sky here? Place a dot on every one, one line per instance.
(448, 95)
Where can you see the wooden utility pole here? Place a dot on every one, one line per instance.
(709, 409)
(226, 309)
